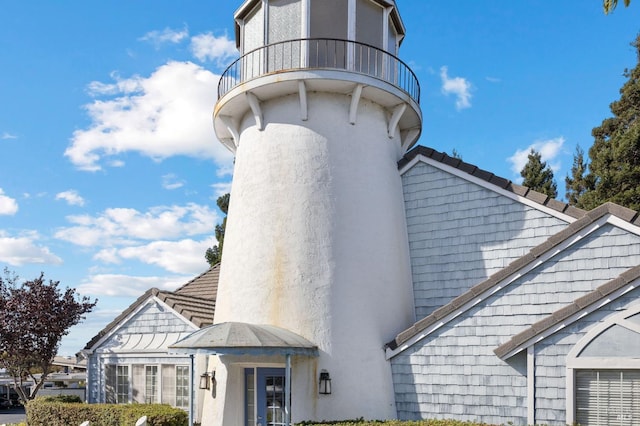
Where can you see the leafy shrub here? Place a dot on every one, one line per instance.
(45, 412)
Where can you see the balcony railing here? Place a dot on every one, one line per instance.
(313, 53)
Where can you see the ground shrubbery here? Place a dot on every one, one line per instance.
(56, 411)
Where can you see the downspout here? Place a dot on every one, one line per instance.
(193, 391)
(287, 392)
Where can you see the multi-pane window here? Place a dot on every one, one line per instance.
(122, 384)
(608, 397)
(182, 386)
(151, 384)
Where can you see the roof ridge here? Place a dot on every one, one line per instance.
(567, 311)
(536, 252)
(500, 182)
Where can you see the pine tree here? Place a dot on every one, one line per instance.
(580, 181)
(609, 5)
(538, 175)
(615, 153)
(214, 254)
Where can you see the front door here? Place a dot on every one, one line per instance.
(269, 396)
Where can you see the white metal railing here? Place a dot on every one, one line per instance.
(320, 53)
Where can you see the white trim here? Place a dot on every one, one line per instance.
(355, 101)
(492, 187)
(604, 325)
(569, 398)
(531, 385)
(501, 285)
(395, 119)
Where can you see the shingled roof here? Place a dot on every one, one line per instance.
(561, 316)
(195, 301)
(490, 178)
(458, 304)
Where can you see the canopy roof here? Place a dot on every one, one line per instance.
(238, 338)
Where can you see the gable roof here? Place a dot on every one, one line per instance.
(570, 313)
(474, 295)
(490, 179)
(195, 301)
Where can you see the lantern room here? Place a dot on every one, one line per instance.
(371, 22)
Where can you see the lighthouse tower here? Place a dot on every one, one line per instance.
(315, 275)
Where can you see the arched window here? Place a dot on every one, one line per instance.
(603, 373)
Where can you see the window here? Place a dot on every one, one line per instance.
(116, 384)
(151, 384)
(182, 386)
(608, 397)
(122, 384)
(603, 373)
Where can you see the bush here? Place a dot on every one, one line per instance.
(48, 412)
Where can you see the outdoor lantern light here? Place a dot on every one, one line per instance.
(204, 381)
(324, 385)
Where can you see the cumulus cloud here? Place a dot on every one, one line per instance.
(549, 150)
(170, 181)
(24, 249)
(71, 197)
(163, 115)
(127, 285)
(183, 256)
(168, 35)
(8, 205)
(457, 86)
(7, 135)
(207, 47)
(125, 226)
(221, 188)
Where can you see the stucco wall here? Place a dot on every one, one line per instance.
(460, 233)
(454, 372)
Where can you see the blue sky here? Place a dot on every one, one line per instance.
(109, 166)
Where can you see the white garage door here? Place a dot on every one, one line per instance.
(608, 397)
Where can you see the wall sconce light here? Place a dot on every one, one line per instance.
(204, 381)
(324, 384)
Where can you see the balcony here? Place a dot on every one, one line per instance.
(320, 54)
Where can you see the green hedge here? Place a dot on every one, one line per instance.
(49, 412)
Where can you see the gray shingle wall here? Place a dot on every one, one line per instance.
(551, 354)
(154, 318)
(458, 359)
(483, 232)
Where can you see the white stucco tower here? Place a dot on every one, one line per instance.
(318, 109)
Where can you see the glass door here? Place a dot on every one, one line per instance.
(269, 397)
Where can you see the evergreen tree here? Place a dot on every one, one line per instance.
(538, 175)
(580, 181)
(214, 254)
(615, 153)
(609, 5)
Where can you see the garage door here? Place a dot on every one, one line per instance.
(608, 397)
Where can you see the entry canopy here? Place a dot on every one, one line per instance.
(238, 338)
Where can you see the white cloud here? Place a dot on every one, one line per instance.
(549, 150)
(24, 249)
(183, 257)
(71, 197)
(167, 35)
(8, 205)
(457, 86)
(170, 181)
(125, 226)
(221, 188)
(7, 135)
(163, 115)
(207, 47)
(127, 285)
